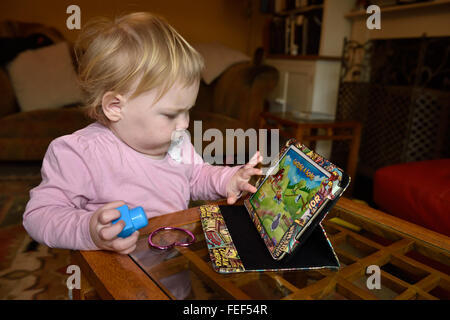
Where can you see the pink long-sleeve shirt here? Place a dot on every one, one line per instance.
(83, 171)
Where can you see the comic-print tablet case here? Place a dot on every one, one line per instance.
(284, 230)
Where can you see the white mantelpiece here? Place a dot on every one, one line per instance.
(408, 21)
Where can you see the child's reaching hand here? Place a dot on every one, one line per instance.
(104, 233)
(239, 182)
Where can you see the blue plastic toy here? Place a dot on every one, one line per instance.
(134, 219)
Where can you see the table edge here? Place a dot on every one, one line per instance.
(93, 262)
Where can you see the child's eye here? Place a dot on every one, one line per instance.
(171, 116)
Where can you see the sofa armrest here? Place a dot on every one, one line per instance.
(13, 28)
(8, 104)
(211, 120)
(241, 90)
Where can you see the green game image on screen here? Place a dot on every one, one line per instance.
(285, 194)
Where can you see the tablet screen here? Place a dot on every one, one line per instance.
(285, 194)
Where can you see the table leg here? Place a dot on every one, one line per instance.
(86, 292)
(352, 161)
(299, 135)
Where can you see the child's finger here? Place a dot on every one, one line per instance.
(134, 237)
(231, 199)
(129, 250)
(245, 186)
(106, 216)
(259, 158)
(248, 173)
(113, 205)
(111, 232)
(123, 244)
(253, 161)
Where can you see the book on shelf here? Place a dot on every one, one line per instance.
(296, 34)
(277, 34)
(284, 6)
(279, 6)
(296, 4)
(314, 28)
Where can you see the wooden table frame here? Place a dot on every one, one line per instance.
(131, 282)
(307, 133)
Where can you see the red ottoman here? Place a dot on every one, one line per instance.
(418, 192)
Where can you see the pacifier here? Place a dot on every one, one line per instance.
(175, 145)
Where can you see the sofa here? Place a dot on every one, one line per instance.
(233, 100)
(418, 192)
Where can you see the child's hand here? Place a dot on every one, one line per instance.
(104, 233)
(239, 182)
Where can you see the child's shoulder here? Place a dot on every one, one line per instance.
(93, 132)
(88, 138)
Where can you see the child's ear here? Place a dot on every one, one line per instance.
(112, 105)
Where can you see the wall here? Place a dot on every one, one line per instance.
(335, 27)
(226, 21)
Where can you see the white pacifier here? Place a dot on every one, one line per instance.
(175, 145)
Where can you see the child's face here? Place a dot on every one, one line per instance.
(147, 127)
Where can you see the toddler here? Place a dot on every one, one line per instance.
(141, 78)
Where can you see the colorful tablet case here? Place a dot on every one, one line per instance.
(236, 244)
(239, 248)
(291, 198)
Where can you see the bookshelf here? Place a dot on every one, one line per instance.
(305, 73)
(295, 31)
(300, 10)
(303, 57)
(309, 80)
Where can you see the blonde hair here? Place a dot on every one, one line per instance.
(138, 48)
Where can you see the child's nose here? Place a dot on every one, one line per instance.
(183, 124)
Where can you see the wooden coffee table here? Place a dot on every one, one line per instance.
(414, 264)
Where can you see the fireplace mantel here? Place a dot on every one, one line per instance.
(435, 5)
(405, 21)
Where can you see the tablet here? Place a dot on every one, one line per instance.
(291, 197)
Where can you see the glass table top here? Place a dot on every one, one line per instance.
(410, 268)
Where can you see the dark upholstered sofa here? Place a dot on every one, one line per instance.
(233, 100)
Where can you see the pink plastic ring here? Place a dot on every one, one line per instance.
(179, 244)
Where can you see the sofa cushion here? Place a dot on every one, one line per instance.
(45, 78)
(217, 59)
(418, 192)
(26, 135)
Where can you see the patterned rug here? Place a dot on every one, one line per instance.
(28, 270)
